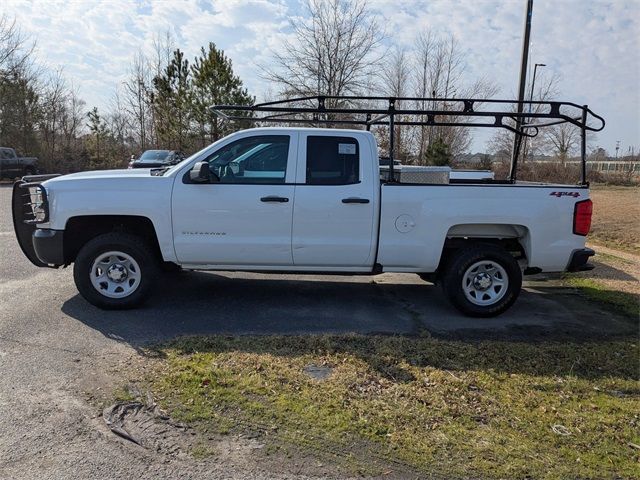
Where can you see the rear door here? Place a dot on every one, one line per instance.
(334, 211)
(245, 218)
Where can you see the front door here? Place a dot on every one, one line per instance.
(334, 212)
(244, 218)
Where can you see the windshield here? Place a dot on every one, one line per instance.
(155, 156)
(188, 159)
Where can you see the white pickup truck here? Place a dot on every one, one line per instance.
(299, 200)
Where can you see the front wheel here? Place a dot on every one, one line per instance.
(483, 281)
(115, 271)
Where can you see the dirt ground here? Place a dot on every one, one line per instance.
(616, 218)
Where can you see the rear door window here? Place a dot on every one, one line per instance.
(332, 160)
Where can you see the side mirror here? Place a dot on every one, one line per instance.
(201, 173)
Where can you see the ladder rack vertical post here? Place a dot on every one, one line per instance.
(583, 146)
(391, 138)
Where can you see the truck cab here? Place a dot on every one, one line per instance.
(281, 199)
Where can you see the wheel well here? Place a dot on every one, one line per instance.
(79, 230)
(453, 244)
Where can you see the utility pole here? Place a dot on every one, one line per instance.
(523, 82)
(533, 84)
(617, 148)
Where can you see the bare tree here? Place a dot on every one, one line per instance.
(53, 104)
(501, 143)
(425, 48)
(71, 127)
(439, 74)
(333, 51)
(163, 47)
(135, 101)
(118, 121)
(15, 48)
(396, 73)
(562, 139)
(19, 88)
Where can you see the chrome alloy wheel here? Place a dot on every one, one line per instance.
(485, 283)
(115, 274)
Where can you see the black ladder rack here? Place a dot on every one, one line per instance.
(367, 111)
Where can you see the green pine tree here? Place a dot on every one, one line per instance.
(99, 133)
(437, 153)
(214, 83)
(171, 100)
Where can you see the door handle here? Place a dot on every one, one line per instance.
(274, 198)
(355, 200)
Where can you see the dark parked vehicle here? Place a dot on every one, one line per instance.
(156, 158)
(12, 166)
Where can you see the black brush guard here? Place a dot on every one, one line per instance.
(24, 222)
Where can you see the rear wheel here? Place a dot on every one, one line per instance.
(115, 271)
(482, 281)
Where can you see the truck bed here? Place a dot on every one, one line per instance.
(416, 220)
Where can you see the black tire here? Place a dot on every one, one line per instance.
(29, 171)
(170, 268)
(463, 260)
(128, 244)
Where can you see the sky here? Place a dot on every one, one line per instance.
(592, 45)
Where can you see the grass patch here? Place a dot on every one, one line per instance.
(123, 394)
(440, 407)
(622, 302)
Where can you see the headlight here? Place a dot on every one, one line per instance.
(38, 203)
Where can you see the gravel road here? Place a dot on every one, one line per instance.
(57, 351)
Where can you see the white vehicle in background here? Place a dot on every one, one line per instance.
(309, 200)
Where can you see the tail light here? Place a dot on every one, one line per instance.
(582, 217)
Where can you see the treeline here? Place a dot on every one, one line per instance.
(337, 48)
(163, 104)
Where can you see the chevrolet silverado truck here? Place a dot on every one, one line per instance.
(303, 200)
(12, 166)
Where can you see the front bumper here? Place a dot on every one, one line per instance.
(579, 261)
(49, 246)
(23, 213)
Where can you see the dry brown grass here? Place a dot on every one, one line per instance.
(616, 217)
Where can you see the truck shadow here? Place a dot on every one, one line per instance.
(355, 314)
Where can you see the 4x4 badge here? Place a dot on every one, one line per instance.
(565, 194)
